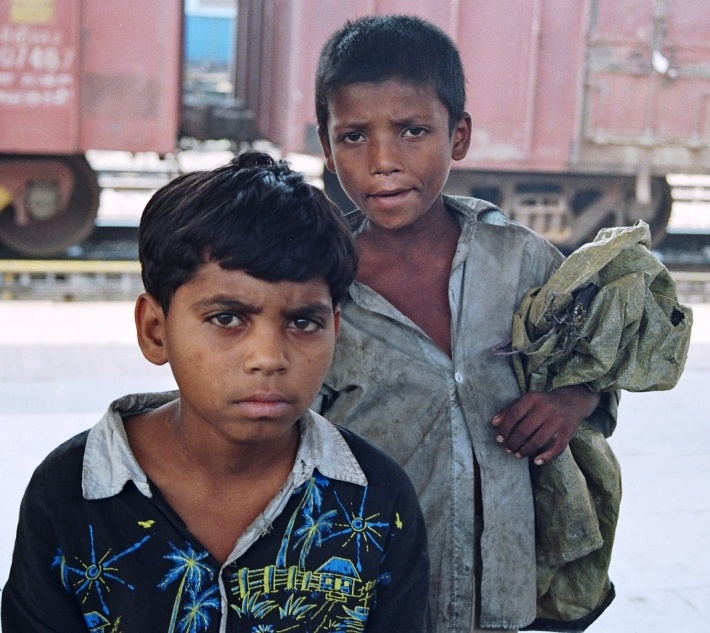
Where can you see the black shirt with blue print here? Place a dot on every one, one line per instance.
(340, 557)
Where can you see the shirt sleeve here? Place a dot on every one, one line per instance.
(603, 418)
(35, 597)
(401, 602)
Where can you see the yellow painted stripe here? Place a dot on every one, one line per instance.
(57, 266)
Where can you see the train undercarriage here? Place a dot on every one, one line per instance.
(50, 203)
(567, 209)
(47, 203)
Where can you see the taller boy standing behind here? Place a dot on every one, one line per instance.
(438, 281)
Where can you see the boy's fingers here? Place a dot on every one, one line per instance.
(520, 435)
(551, 453)
(533, 445)
(509, 417)
(558, 445)
(539, 424)
(518, 423)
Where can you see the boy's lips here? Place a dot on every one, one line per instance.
(264, 405)
(389, 192)
(389, 197)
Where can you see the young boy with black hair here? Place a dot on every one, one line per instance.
(438, 281)
(226, 505)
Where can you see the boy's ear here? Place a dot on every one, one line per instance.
(150, 329)
(325, 144)
(461, 137)
(336, 321)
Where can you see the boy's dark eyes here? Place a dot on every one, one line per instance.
(300, 324)
(351, 137)
(305, 325)
(414, 130)
(226, 319)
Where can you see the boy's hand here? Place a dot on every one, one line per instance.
(542, 424)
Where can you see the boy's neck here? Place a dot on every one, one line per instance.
(433, 232)
(217, 488)
(208, 453)
(411, 268)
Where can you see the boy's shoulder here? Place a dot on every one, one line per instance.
(61, 468)
(485, 213)
(379, 468)
(96, 458)
(376, 465)
(485, 223)
(478, 210)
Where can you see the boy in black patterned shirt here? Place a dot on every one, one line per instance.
(226, 505)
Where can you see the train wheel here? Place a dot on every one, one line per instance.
(54, 203)
(657, 212)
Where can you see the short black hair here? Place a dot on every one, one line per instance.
(377, 48)
(254, 214)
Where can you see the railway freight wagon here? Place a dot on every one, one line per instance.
(580, 107)
(77, 75)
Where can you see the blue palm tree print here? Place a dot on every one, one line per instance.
(196, 608)
(312, 532)
(193, 574)
(310, 501)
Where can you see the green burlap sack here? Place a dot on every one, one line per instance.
(608, 318)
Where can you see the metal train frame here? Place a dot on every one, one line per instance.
(580, 107)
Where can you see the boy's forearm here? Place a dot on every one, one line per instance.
(588, 400)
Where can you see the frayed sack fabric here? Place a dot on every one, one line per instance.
(608, 318)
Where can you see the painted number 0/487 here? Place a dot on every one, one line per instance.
(37, 58)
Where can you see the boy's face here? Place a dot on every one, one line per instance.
(248, 356)
(390, 146)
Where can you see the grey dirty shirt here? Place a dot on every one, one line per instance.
(392, 384)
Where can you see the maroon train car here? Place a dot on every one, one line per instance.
(78, 75)
(580, 107)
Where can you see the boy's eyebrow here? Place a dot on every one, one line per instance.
(311, 309)
(227, 303)
(413, 119)
(235, 305)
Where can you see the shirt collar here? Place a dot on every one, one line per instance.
(109, 463)
(468, 211)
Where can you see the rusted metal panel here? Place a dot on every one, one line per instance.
(553, 85)
(81, 74)
(522, 60)
(131, 73)
(39, 76)
(647, 93)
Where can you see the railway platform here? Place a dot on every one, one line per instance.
(62, 363)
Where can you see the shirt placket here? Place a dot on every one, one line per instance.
(462, 473)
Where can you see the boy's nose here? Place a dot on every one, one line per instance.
(384, 157)
(266, 352)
